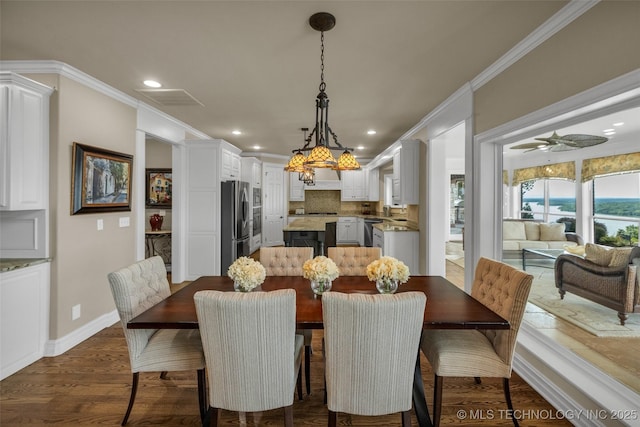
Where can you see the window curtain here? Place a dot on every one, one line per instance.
(505, 177)
(610, 165)
(565, 170)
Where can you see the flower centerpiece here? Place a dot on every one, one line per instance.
(321, 271)
(246, 274)
(387, 272)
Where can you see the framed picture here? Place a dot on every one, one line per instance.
(100, 180)
(158, 189)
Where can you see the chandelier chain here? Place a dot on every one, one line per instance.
(322, 84)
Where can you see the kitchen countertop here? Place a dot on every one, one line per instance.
(9, 264)
(317, 222)
(310, 223)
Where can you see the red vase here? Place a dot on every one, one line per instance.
(156, 222)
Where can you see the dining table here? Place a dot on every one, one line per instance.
(447, 307)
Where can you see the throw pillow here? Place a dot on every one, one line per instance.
(575, 250)
(551, 232)
(620, 257)
(513, 230)
(597, 254)
(532, 230)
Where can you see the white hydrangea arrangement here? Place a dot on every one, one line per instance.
(246, 273)
(388, 268)
(320, 269)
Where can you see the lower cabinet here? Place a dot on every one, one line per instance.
(24, 317)
(402, 245)
(347, 230)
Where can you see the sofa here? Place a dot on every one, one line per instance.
(518, 234)
(607, 276)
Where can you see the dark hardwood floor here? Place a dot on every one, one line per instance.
(89, 385)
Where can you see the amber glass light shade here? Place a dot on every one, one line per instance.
(296, 163)
(320, 157)
(347, 162)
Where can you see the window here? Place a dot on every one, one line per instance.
(616, 209)
(549, 200)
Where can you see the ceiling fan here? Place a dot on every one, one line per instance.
(562, 143)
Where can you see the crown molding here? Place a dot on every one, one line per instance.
(549, 28)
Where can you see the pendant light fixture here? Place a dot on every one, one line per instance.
(321, 155)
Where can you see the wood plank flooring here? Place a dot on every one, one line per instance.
(89, 385)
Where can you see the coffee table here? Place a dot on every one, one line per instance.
(548, 254)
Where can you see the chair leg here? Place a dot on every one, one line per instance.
(288, 416)
(307, 367)
(406, 418)
(437, 400)
(333, 419)
(132, 398)
(478, 380)
(163, 375)
(211, 419)
(622, 317)
(202, 393)
(507, 396)
(299, 385)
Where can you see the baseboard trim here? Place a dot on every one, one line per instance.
(575, 387)
(61, 345)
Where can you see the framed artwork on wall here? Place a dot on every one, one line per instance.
(158, 188)
(100, 180)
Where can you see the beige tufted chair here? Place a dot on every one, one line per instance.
(369, 365)
(135, 289)
(353, 261)
(253, 354)
(288, 261)
(481, 353)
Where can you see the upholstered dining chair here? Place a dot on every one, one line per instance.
(135, 289)
(251, 350)
(369, 365)
(481, 353)
(353, 261)
(288, 261)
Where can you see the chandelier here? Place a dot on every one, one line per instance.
(321, 155)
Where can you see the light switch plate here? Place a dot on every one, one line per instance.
(100, 224)
(124, 221)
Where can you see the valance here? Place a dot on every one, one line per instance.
(610, 165)
(565, 170)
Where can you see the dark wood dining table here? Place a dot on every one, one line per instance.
(448, 307)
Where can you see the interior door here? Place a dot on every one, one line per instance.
(273, 204)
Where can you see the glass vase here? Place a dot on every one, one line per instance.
(320, 286)
(238, 287)
(387, 286)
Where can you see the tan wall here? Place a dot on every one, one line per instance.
(82, 255)
(597, 47)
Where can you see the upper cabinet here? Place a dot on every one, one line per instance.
(230, 166)
(360, 185)
(406, 169)
(252, 171)
(24, 143)
(296, 188)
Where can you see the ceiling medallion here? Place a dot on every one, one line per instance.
(320, 155)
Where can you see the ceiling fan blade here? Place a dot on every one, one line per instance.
(529, 145)
(580, 140)
(562, 147)
(553, 139)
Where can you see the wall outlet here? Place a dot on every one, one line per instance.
(124, 221)
(100, 224)
(75, 312)
(162, 213)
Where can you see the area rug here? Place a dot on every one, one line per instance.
(587, 315)
(455, 254)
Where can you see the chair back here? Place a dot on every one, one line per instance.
(248, 342)
(371, 344)
(505, 290)
(284, 261)
(353, 261)
(135, 289)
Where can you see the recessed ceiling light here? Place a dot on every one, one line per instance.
(360, 147)
(608, 130)
(152, 83)
(613, 132)
(618, 124)
(256, 147)
(371, 132)
(236, 132)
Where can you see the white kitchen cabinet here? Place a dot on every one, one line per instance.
(296, 188)
(406, 170)
(251, 171)
(360, 228)
(24, 317)
(373, 184)
(354, 186)
(24, 143)
(402, 245)
(347, 230)
(230, 168)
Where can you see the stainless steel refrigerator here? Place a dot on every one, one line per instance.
(234, 219)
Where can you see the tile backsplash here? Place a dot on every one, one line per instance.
(322, 201)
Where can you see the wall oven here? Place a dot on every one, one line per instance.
(257, 221)
(257, 197)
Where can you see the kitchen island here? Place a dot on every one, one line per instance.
(310, 231)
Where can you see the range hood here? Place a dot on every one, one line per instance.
(326, 179)
(326, 174)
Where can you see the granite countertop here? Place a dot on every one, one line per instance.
(9, 264)
(395, 226)
(310, 223)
